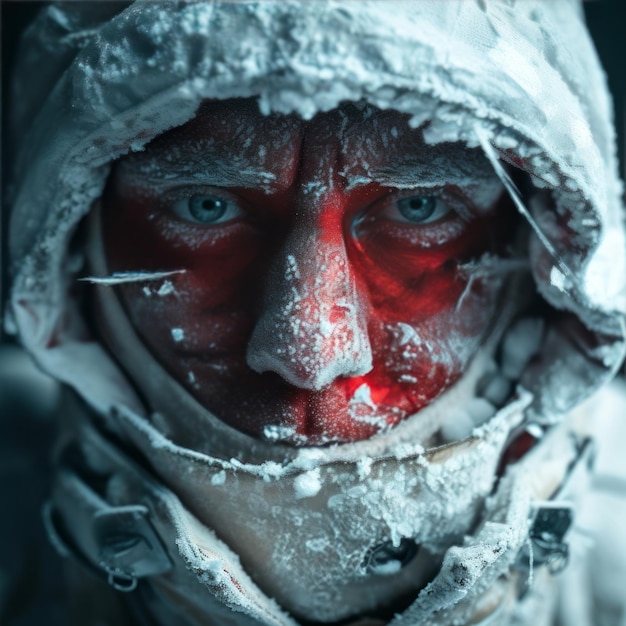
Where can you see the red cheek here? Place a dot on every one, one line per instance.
(409, 282)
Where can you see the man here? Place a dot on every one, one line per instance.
(322, 347)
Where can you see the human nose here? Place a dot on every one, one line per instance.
(313, 327)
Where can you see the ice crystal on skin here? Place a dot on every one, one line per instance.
(264, 159)
(178, 334)
(363, 395)
(277, 432)
(120, 278)
(408, 334)
(361, 408)
(165, 289)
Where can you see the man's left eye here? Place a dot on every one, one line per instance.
(418, 209)
(207, 209)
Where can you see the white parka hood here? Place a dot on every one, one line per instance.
(520, 79)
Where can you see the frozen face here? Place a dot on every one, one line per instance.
(332, 284)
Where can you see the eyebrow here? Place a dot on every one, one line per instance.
(161, 172)
(428, 169)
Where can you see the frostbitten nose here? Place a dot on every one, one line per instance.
(312, 329)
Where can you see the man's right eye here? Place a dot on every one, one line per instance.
(207, 209)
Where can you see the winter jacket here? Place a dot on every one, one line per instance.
(233, 530)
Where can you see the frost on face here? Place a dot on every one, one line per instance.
(277, 432)
(165, 289)
(335, 301)
(363, 395)
(361, 408)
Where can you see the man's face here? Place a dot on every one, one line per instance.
(330, 285)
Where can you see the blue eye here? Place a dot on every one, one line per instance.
(207, 209)
(421, 209)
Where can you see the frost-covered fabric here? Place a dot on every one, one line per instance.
(519, 79)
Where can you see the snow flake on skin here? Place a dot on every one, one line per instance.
(408, 334)
(362, 409)
(166, 288)
(363, 395)
(192, 380)
(439, 343)
(277, 432)
(178, 334)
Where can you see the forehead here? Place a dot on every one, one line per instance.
(231, 143)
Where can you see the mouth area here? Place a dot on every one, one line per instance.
(338, 413)
(267, 407)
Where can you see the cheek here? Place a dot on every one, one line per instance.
(409, 282)
(415, 363)
(427, 319)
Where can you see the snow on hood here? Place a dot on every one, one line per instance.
(519, 77)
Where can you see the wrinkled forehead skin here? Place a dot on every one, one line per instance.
(504, 72)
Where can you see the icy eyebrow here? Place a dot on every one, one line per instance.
(165, 170)
(425, 166)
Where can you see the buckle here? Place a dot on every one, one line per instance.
(128, 546)
(123, 548)
(547, 534)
